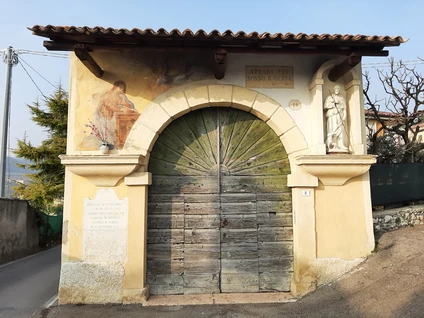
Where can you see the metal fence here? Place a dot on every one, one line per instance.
(396, 183)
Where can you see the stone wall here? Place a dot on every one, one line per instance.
(396, 218)
(18, 230)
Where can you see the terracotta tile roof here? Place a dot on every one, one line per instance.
(99, 35)
(369, 112)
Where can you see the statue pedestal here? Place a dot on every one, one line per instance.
(336, 169)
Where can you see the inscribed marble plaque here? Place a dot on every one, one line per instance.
(269, 77)
(105, 226)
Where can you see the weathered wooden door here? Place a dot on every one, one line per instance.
(219, 217)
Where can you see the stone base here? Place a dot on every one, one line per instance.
(299, 289)
(219, 299)
(91, 283)
(135, 296)
(330, 269)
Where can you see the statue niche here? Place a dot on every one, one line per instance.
(335, 107)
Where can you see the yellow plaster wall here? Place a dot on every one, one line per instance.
(82, 188)
(145, 74)
(341, 220)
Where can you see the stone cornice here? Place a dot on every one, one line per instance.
(102, 171)
(335, 170)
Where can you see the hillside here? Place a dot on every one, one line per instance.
(15, 172)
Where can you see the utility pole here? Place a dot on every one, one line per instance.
(10, 58)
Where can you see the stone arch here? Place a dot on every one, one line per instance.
(165, 109)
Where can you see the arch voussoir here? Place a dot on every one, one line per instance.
(158, 115)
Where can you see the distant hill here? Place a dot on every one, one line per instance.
(15, 174)
(14, 171)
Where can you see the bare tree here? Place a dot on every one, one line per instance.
(403, 109)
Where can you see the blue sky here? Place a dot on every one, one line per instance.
(372, 17)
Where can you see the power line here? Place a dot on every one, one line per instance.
(387, 64)
(50, 54)
(21, 59)
(32, 80)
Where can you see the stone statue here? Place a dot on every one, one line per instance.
(335, 107)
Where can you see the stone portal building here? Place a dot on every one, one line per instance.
(206, 163)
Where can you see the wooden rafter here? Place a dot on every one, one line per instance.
(86, 59)
(344, 67)
(288, 49)
(220, 63)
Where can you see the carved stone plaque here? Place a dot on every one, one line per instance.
(269, 77)
(105, 228)
(295, 104)
(105, 212)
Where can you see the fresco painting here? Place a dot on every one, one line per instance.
(113, 111)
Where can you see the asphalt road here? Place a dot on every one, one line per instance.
(389, 284)
(27, 284)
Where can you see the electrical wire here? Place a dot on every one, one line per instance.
(50, 54)
(21, 59)
(32, 80)
(388, 64)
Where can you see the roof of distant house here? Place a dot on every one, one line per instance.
(66, 37)
(370, 113)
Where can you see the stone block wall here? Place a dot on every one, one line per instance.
(18, 230)
(397, 218)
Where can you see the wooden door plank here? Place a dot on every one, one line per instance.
(239, 266)
(252, 137)
(239, 221)
(236, 236)
(201, 284)
(200, 208)
(201, 197)
(269, 265)
(165, 267)
(165, 207)
(275, 234)
(165, 154)
(180, 168)
(237, 197)
(198, 252)
(239, 251)
(274, 206)
(264, 169)
(175, 142)
(183, 184)
(208, 266)
(275, 282)
(165, 221)
(196, 126)
(258, 150)
(275, 219)
(277, 196)
(252, 184)
(210, 121)
(201, 236)
(238, 131)
(272, 249)
(165, 236)
(240, 282)
(165, 251)
(173, 198)
(238, 208)
(202, 221)
(193, 139)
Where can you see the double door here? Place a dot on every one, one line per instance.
(219, 217)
